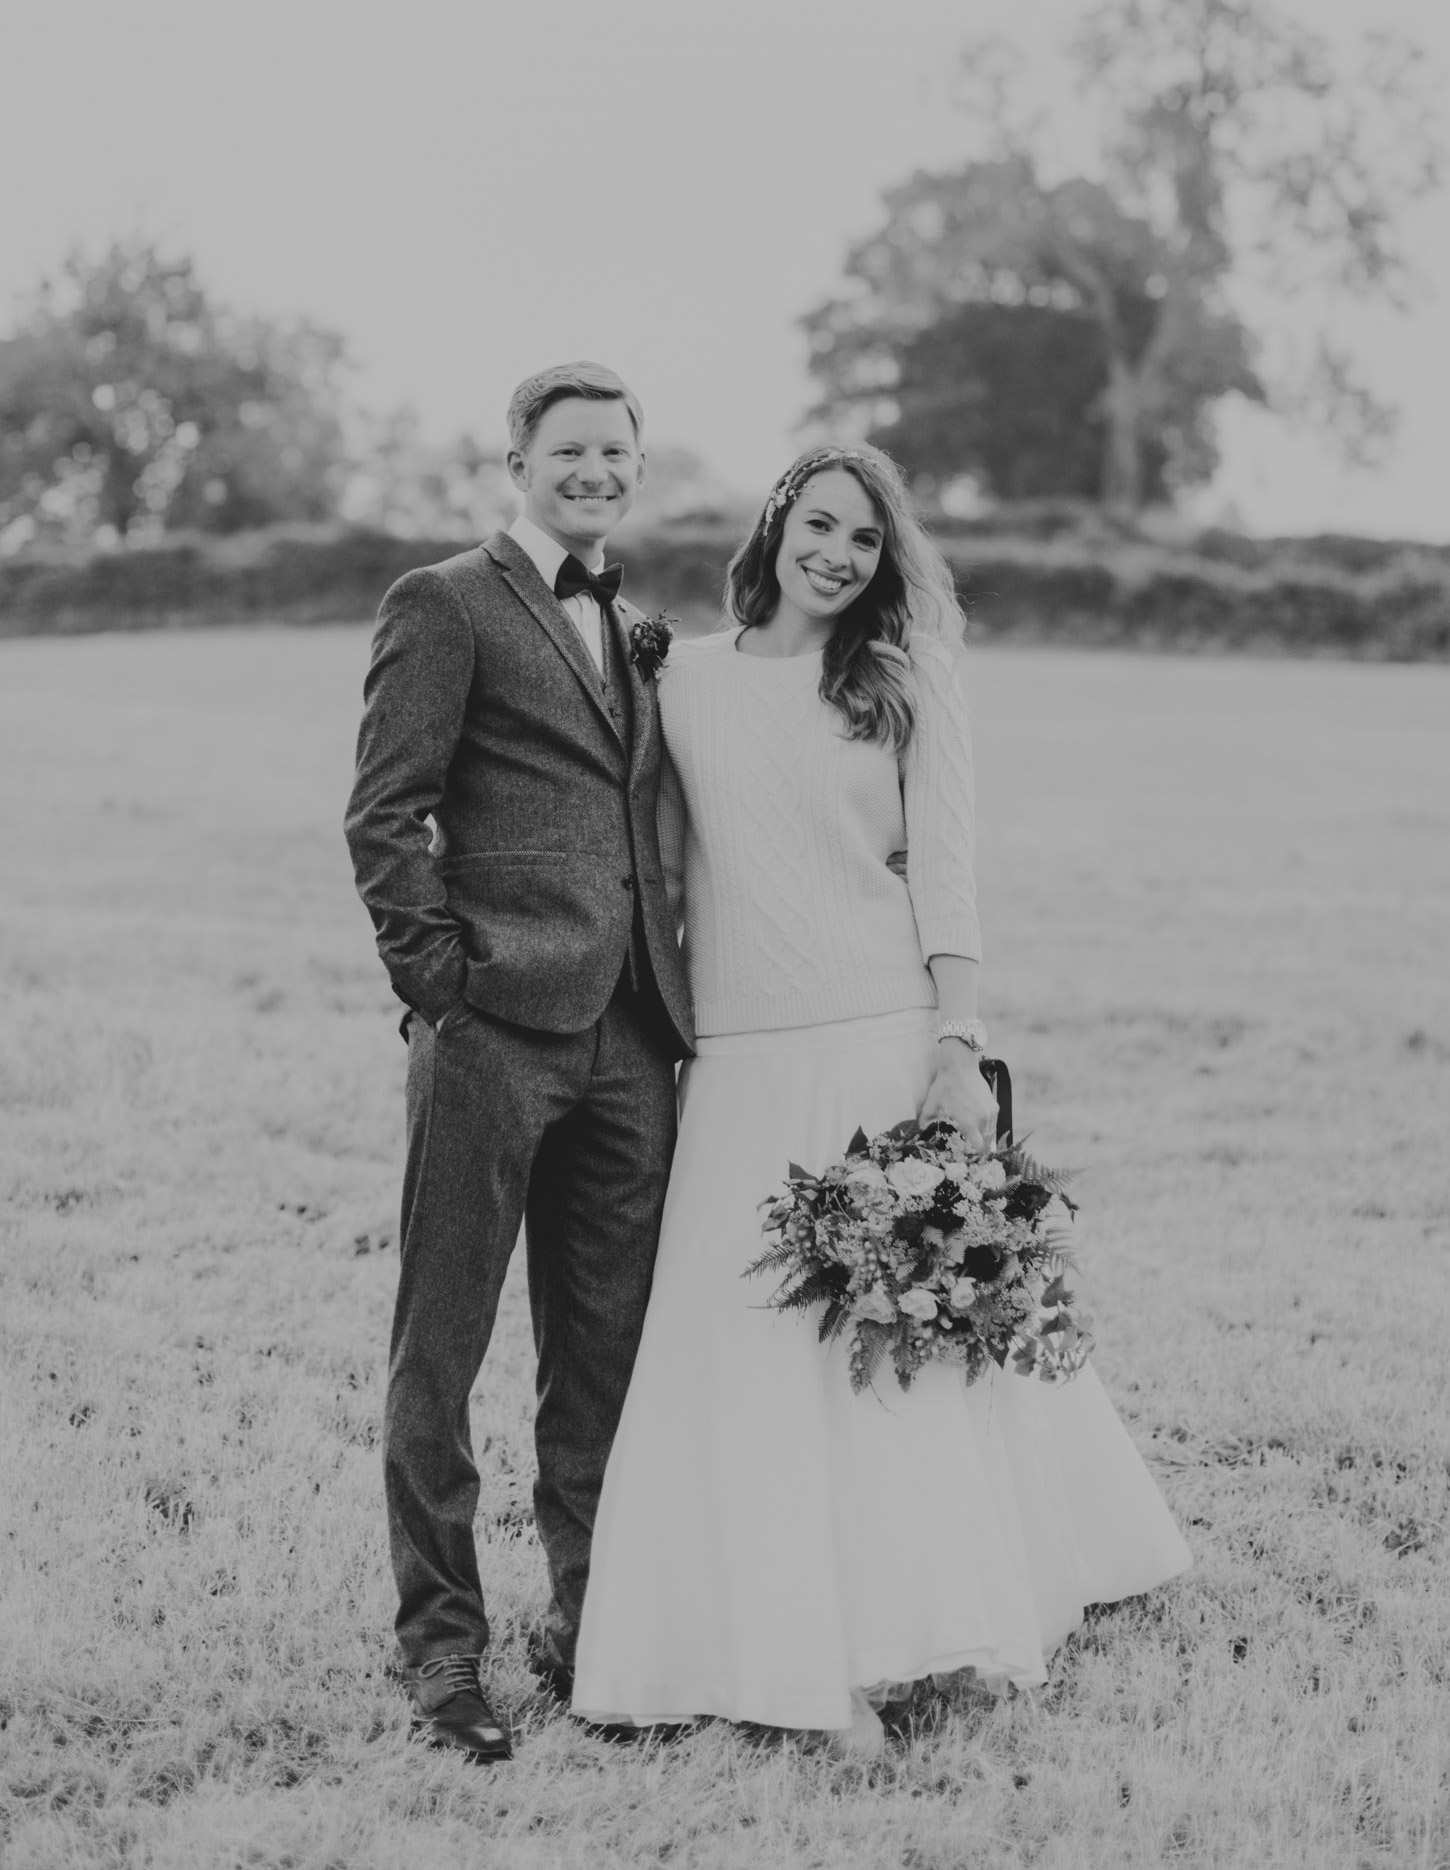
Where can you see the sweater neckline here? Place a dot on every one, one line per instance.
(808, 656)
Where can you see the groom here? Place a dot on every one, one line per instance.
(529, 935)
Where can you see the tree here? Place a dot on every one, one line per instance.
(407, 484)
(1010, 392)
(1238, 151)
(993, 324)
(130, 404)
(1257, 155)
(681, 486)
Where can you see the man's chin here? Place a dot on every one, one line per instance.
(576, 532)
(591, 522)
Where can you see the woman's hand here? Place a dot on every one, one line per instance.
(959, 1093)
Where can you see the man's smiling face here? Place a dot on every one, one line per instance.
(579, 473)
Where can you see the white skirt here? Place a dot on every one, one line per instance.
(766, 1540)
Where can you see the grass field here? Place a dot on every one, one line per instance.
(1217, 902)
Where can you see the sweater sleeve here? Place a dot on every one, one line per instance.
(939, 798)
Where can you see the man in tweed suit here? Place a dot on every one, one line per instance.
(529, 935)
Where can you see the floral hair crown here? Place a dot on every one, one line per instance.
(791, 482)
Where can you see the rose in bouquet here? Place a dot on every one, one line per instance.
(919, 1247)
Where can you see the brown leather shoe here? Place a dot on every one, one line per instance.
(451, 1710)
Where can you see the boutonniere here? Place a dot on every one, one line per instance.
(649, 643)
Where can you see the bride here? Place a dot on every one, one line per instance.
(771, 1547)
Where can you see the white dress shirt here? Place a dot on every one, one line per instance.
(548, 555)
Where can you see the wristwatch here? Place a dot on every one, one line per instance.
(971, 1032)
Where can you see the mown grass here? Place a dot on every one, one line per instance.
(1218, 906)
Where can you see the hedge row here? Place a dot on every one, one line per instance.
(287, 574)
(1145, 596)
(292, 574)
(1097, 529)
(1066, 587)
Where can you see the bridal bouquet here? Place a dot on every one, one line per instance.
(919, 1247)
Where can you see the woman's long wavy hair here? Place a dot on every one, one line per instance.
(866, 672)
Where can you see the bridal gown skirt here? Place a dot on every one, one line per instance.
(766, 1540)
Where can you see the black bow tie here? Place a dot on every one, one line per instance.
(572, 578)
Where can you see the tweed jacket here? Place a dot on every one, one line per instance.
(484, 712)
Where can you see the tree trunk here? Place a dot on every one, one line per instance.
(1122, 439)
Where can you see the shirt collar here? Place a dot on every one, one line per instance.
(548, 555)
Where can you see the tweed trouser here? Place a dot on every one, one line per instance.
(570, 1133)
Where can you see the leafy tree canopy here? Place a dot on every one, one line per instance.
(131, 404)
(402, 482)
(1234, 146)
(989, 319)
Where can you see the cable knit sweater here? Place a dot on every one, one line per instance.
(777, 829)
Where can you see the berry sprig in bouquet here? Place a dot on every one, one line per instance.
(920, 1247)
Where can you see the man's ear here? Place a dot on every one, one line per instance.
(639, 471)
(518, 470)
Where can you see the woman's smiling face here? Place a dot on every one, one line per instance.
(831, 545)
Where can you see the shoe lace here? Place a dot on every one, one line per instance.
(460, 1673)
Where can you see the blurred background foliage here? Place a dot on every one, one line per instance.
(132, 405)
(1043, 352)
(1073, 337)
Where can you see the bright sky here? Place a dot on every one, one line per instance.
(471, 191)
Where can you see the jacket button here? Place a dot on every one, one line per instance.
(626, 883)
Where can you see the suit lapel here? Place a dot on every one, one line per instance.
(546, 610)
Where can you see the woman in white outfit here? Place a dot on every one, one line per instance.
(771, 1547)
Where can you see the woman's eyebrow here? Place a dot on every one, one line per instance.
(824, 512)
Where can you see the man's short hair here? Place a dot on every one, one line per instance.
(591, 381)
